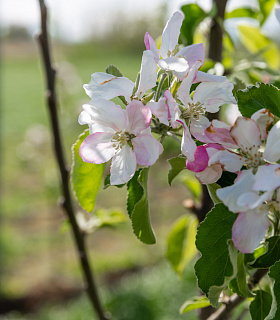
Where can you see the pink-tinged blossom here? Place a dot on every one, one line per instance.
(208, 97)
(250, 147)
(120, 135)
(169, 57)
(205, 173)
(252, 222)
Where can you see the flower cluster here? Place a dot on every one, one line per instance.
(165, 101)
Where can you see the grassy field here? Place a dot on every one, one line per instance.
(34, 250)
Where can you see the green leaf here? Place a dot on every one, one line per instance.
(260, 306)
(177, 165)
(271, 255)
(274, 274)
(138, 206)
(241, 277)
(107, 183)
(212, 189)
(86, 177)
(265, 8)
(103, 217)
(217, 265)
(258, 44)
(193, 185)
(254, 98)
(241, 12)
(181, 242)
(194, 303)
(238, 85)
(193, 16)
(115, 71)
(227, 179)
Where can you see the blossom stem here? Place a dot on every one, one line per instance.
(162, 79)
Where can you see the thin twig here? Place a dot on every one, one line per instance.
(58, 149)
(224, 312)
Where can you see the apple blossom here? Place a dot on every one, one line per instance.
(169, 57)
(120, 135)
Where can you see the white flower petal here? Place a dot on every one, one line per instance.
(207, 77)
(263, 119)
(267, 178)
(184, 89)
(106, 114)
(249, 229)
(174, 64)
(272, 148)
(229, 195)
(214, 94)
(210, 175)
(230, 161)
(277, 13)
(247, 135)
(107, 86)
(148, 74)
(171, 33)
(139, 117)
(147, 149)
(123, 166)
(198, 127)
(97, 148)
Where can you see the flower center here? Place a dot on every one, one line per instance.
(253, 156)
(173, 52)
(193, 111)
(121, 138)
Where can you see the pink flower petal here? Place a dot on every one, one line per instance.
(151, 45)
(173, 109)
(123, 166)
(171, 33)
(193, 53)
(106, 86)
(160, 110)
(97, 148)
(139, 117)
(188, 145)
(249, 229)
(200, 162)
(147, 149)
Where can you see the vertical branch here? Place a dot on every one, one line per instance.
(64, 174)
(216, 32)
(215, 53)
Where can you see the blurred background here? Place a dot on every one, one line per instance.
(39, 271)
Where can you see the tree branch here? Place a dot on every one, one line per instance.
(224, 312)
(64, 174)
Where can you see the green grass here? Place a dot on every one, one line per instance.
(155, 293)
(33, 246)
